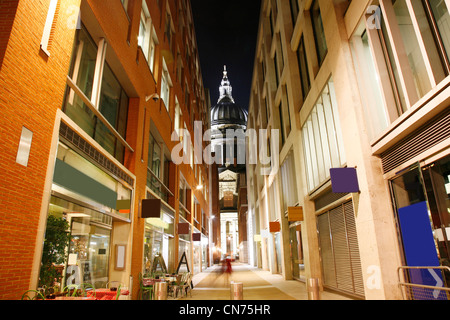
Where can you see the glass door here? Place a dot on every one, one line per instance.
(437, 187)
(421, 199)
(296, 251)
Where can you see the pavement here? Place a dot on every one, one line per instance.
(258, 284)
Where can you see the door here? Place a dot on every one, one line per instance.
(417, 194)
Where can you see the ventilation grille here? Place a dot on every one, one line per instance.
(429, 135)
(93, 154)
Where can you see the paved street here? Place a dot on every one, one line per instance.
(258, 285)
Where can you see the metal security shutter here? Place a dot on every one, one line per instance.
(339, 250)
(326, 251)
(353, 246)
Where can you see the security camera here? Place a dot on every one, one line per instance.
(154, 96)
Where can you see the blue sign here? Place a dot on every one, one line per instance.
(420, 249)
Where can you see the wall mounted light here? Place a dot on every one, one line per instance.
(154, 96)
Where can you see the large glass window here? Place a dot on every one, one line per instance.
(394, 75)
(441, 19)
(411, 47)
(112, 102)
(114, 107)
(369, 84)
(88, 253)
(322, 139)
(421, 198)
(159, 242)
(289, 184)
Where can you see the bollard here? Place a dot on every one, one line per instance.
(313, 289)
(161, 290)
(237, 291)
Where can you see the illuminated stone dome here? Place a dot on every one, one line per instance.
(226, 111)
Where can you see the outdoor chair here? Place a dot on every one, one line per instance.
(32, 295)
(144, 288)
(186, 284)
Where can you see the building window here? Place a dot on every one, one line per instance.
(184, 200)
(373, 104)
(303, 68)
(439, 14)
(411, 47)
(51, 16)
(165, 86)
(288, 183)
(158, 169)
(147, 37)
(319, 32)
(95, 100)
(408, 51)
(392, 69)
(322, 139)
(178, 115)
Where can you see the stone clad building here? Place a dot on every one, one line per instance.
(360, 87)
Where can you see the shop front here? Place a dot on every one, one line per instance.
(296, 251)
(197, 254)
(421, 199)
(338, 241)
(205, 252)
(184, 261)
(90, 208)
(159, 240)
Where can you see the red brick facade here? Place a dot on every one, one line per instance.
(32, 88)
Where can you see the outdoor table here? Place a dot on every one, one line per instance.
(147, 282)
(73, 298)
(107, 294)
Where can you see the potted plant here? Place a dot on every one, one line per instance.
(57, 237)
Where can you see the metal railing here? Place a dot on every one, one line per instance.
(410, 280)
(157, 186)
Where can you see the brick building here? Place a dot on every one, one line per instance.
(95, 95)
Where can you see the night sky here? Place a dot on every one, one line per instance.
(226, 35)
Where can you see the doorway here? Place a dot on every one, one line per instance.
(421, 200)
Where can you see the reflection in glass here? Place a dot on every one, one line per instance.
(412, 48)
(442, 18)
(90, 243)
(113, 102)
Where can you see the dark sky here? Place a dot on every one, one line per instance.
(226, 35)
